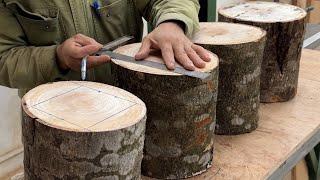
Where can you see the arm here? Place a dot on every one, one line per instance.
(159, 11)
(26, 66)
(23, 66)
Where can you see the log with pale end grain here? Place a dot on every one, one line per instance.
(181, 115)
(82, 130)
(240, 50)
(285, 26)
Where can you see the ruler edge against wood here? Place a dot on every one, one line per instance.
(179, 70)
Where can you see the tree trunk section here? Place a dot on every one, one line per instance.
(51, 153)
(240, 50)
(181, 121)
(280, 65)
(239, 86)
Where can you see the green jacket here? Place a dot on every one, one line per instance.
(31, 29)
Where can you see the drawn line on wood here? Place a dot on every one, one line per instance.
(50, 114)
(217, 172)
(56, 96)
(100, 91)
(112, 115)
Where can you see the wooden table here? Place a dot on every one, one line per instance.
(287, 132)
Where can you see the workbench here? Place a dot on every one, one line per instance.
(286, 133)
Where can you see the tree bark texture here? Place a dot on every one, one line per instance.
(51, 153)
(181, 121)
(239, 86)
(280, 65)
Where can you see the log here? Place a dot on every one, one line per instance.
(181, 115)
(82, 130)
(285, 26)
(240, 49)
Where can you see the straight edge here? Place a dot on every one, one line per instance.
(294, 158)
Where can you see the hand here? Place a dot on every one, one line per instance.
(173, 43)
(71, 52)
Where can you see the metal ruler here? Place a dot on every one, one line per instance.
(157, 65)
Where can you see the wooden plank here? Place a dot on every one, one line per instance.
(285, 129)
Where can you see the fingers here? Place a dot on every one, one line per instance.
(168, 56)
(202, 53)
(182, 57)
(80, 52)
(194, 57)
(85, 40)
(94, 61)
(144, 49)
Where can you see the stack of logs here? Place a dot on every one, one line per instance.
(252, 64)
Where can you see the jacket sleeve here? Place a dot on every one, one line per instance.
(158, 11)
(21, 65)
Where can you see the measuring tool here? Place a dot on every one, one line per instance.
(157, 65)
(107, 50)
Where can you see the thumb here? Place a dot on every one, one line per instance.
(144, 49)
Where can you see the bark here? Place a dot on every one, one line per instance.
(280, 65)
(181, 121)
(51, 153)
(239, 86)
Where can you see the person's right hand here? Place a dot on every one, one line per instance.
(71, 52)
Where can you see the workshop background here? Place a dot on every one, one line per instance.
(11, 149)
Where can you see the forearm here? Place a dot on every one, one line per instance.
(185, 11)
(26, 67)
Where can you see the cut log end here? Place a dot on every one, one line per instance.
(82, 130)
(83, 106)
(132, 49)
(227, 34)
(264, 12)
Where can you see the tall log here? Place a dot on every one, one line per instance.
(181, 116)
(82, 130)
(285, 26)
(240, 50)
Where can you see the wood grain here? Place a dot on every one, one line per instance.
(83, 106)
(132, 49)
(264, 12)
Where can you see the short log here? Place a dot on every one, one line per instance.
(181, 115)
(285, 26)
(240, 49)
(82, 130)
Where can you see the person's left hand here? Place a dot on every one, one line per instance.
(174, 44)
